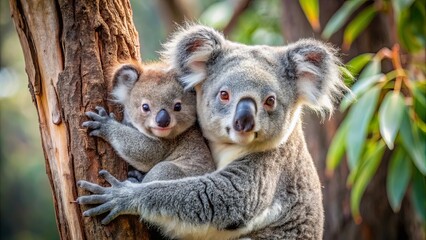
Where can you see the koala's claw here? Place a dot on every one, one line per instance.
(95, 133)
(92, 187)
(102, 115)
(91, 124)
(110, 179)
(96, 117)
(91, 199)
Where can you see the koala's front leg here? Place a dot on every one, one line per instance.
(137, 149)
(115, 200)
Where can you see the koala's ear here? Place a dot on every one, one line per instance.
(125, 78)
(315, 68)
(189, 49)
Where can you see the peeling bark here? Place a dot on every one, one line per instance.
(69, 49)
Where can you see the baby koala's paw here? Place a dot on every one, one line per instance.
(100, 123)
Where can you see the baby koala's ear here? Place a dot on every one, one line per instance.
(315, 68)
(189, 49)
(124, 79)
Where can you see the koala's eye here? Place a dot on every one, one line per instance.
(224, 96)
(270, 101)
(178, 107)
(145, 107)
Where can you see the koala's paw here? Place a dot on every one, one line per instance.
(100, 121)
(115, 200)
(135, 176)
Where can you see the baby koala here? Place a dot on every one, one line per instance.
(161, 136)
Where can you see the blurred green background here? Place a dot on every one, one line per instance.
(378, 193)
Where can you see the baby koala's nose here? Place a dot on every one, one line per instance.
(244, 115)
(163, 118)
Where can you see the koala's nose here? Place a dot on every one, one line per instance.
(163, 118)
(244, 115)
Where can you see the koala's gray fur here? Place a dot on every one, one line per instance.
(173, 151)
(249, 100)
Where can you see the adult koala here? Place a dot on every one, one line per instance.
(249, 100)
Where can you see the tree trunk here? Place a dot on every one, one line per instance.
(379, 222)
(69, 48)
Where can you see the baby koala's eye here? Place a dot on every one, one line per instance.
(270, 101)
(224, 96)
(178, 107)
(145, 107)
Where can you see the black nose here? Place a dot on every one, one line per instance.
(162, 118)
(244, 115)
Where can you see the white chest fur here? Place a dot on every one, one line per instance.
(224, 154)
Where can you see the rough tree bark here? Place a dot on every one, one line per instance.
(69, 47)
(379, 222)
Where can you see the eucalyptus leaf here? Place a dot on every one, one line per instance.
(418, 193)
(390, 117)
(413, 143)
(399, 174)
(360, 86)
(311, 10)
(337, 147)
(400, 5)
(347, 75)
(358, 119)
(340, 17)
(367, 171)
(373, 68)
(411, 27)
(357, 63)
(419, 93)
(357, 25)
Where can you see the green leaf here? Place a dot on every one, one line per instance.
(373, 68)
(337, 147)
(413, 143)
(419, 92)
(357, 63)
(420, 96)
(368, 77)
(400, 5)
(360, 86)
(356, 26)
(399, 173)
(372, 161)
(390, 116)
(358, 119)
(411, 27)
(348, 78)
(311, 10)
(418, 194)
(340, 17)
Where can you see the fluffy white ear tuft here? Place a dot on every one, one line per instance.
(315, 68)
(189, 49)
(125, 78)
